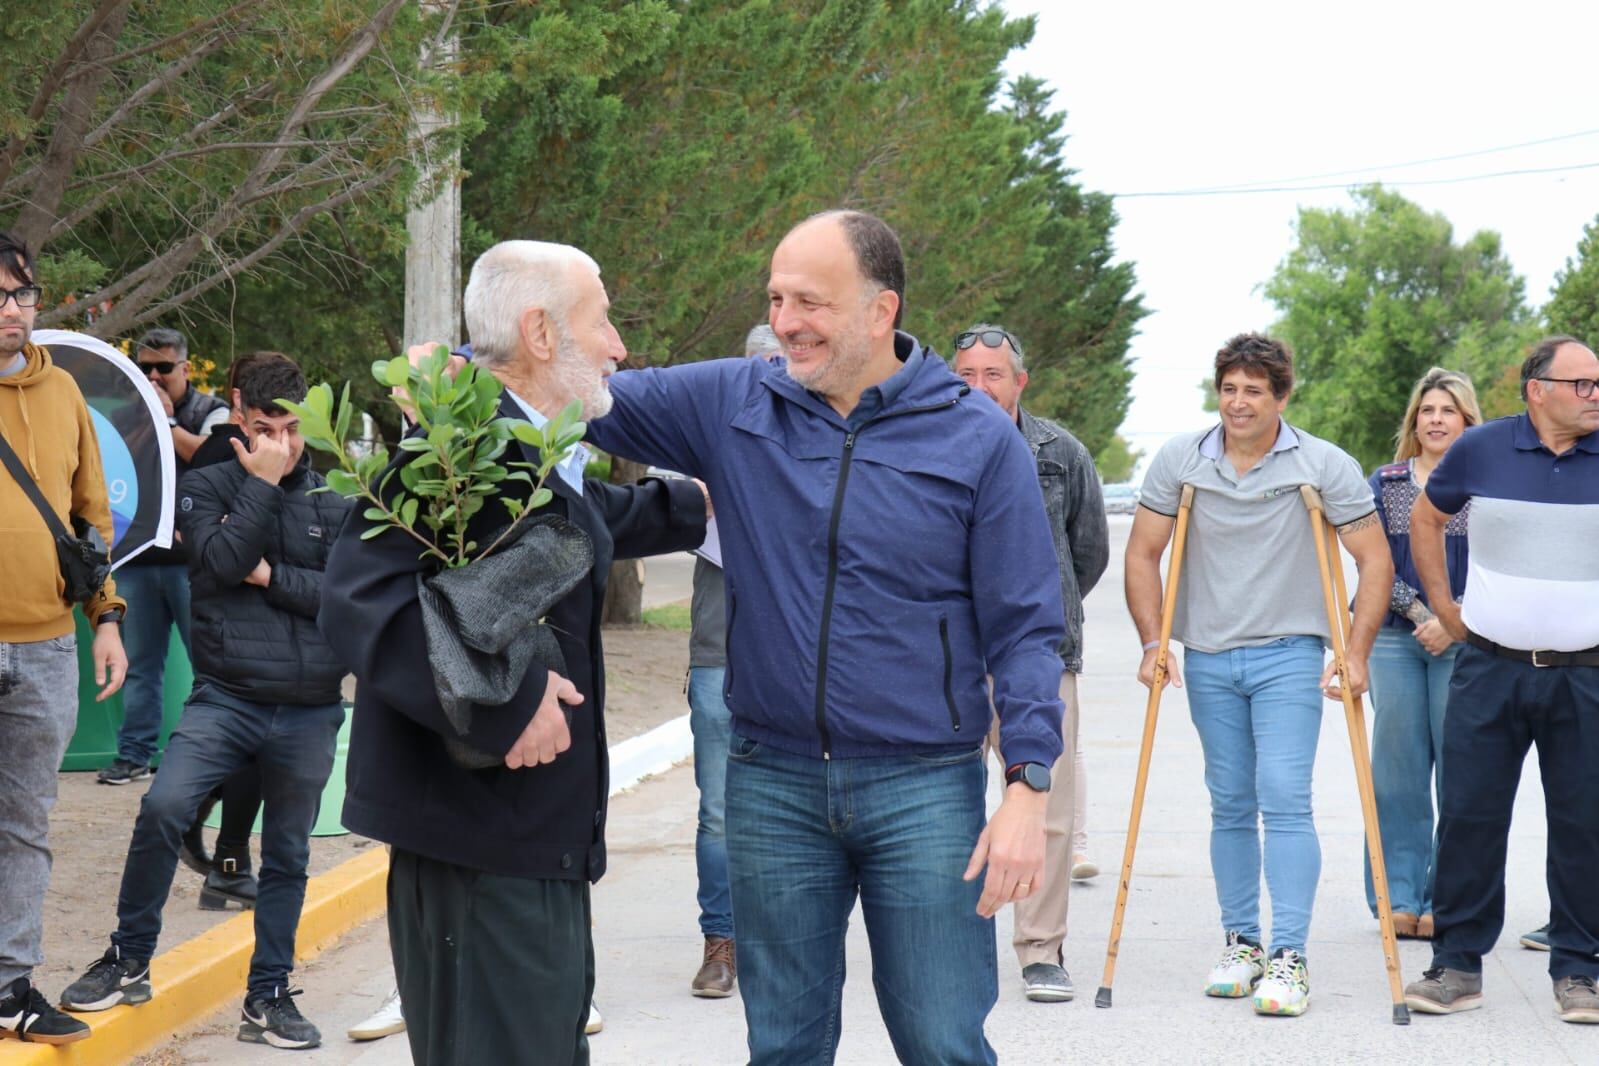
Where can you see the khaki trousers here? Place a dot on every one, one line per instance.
(1041, 918)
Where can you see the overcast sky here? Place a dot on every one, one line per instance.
(1177, 96)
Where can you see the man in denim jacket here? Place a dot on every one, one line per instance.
(990, 360)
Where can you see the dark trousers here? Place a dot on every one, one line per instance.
(1497, 709)
(218, 733)
(490, 968)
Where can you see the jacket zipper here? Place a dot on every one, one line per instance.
(949, 675)
(827, 595)
(832, 564)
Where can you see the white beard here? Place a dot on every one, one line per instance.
(577, 379)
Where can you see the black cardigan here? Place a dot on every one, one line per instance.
(542, 821)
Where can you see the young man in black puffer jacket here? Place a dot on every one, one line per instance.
(266, 688)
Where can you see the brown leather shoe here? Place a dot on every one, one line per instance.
(718, 973)
(1424, 927)
(1404, 925)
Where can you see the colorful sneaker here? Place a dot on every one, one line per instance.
(1239, 969)
(1538, 939)
(1577, 999)
(111, 980)
(277, 1022)
(1286, 987)
(28, 1016)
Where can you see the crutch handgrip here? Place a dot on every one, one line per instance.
(1312, 498)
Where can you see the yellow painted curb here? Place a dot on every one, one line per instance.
(199, 976)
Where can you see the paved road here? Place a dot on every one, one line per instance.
(648, 945)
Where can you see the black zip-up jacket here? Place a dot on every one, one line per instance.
(254, 643)
(401, 788)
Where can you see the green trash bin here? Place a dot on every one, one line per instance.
(94, 744)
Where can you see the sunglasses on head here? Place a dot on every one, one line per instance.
(163, 368)
(992, 338)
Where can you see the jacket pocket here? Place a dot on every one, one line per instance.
(949, 675)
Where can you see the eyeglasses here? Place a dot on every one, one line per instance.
(163, 368)
(26, 296)
(993, 338)
(1583, 387)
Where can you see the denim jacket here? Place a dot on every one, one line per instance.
(1076, 511)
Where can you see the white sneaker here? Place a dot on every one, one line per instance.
(385, 1021)
(1238, 971)
(595, 1022)
(1286, 989)
(1084, 868)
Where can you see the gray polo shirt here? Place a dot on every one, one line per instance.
(1249, 567)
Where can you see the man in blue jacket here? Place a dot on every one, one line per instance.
(875, 575)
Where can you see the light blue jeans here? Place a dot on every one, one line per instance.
(1258, 713)
(1409, 691)
(158, 599)
(712, 725)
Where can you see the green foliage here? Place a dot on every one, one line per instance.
(1115, 461)
(1573, 305)
(456, 471)
(669, 616)
(1372, 297)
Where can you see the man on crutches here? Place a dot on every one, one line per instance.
(1253, 625)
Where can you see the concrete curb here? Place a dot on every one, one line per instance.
(198, 977)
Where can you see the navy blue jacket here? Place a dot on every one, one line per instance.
(876, 573)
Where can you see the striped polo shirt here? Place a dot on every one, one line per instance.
(1532, 581)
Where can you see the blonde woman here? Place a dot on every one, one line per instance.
(1413, 658)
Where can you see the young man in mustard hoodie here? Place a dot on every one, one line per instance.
(44, 419)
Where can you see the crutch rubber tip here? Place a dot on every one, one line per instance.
(1401, 1014)
(1102, 997)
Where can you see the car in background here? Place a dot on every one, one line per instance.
(1121, 498)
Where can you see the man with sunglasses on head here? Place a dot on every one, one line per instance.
(990, 360)
(1528, 675)
(157, 579)
(46, 425)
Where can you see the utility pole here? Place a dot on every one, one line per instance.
(433, 222)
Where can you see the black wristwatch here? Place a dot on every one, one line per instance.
(109, 615)
(1035, 775)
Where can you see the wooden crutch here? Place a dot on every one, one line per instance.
(1331, 566)
(1151, 714)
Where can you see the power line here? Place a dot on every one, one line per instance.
(1400, 166)
(1237, 191)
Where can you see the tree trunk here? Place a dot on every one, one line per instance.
(624, 589)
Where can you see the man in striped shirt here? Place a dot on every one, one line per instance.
(1530, 674)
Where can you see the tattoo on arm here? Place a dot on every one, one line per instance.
(1358, 524)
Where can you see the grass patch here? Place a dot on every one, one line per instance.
(668, 616)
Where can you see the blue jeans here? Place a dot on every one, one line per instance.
(712, 725)
(1258, 712)
(158, 599)
(218, 733)
(1409, 691)
(804, 837)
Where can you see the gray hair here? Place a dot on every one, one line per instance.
(1018, 359)
(1539, 358)
(508, 279)
(762, 341)
(164, 338)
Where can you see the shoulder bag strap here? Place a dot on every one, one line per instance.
(14, 464)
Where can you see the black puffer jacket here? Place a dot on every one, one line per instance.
(260, 644)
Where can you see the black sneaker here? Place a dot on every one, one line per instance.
(123, 771)
(276, 1021)
(111, 980)
(28, 1016)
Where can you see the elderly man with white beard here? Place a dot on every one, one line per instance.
(489, 880)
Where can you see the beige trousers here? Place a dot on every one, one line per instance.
(1041, 918)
